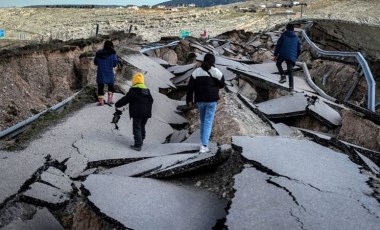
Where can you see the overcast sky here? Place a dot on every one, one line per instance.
(7, 3)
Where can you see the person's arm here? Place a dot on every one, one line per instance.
(115, 60)
(190, 91)
(124, 100)
(221, 83)
(278, 46)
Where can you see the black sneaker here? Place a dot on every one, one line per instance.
(135, 147)
(283, 79)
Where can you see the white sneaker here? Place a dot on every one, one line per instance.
(204, 149)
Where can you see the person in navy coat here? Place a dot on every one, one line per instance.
(106, 60)
(287, 50)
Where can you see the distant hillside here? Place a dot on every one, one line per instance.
(201, 3)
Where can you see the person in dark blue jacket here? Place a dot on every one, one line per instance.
(288, 49)
(106, 60)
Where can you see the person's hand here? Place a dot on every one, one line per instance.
(274, 58)
(116, 116)
(191, 104)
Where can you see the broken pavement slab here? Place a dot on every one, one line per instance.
(142, 203)
(200, 160)
(326, 138)
(181, 69)
(195, 137)
(284, 203)
(287, 106)
(56, 178)
(42, 220)
(325, 113)
(178, 136)
(265, 75)
(115, 150)
(304, 160)
(15, 171)
(143, 167)
(312, 186)
(372, 166)
(42, 194)
(282, 129)
(159, 75)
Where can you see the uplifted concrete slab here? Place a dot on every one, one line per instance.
(116, 148)
(228, 75)
(42, 194)
(224, 61)
(318, 136)
(181, 69)
(182, 79)
(287, 106)
(195, 137)
(265, 73)
(42, 220)
(56, 178)
(165, 109)
(178, 136)
(372, 166)
(306, 186)
(325, 113)
(202, 48)
(155, 70)
(143, 167)
(282, 129)
(161, 61)
(140, 203)
(199, 161)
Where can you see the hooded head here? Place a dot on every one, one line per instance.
(108, 45)
(290, 27)
(208, 61)
(138, 78)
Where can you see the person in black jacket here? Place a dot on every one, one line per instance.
(203, 89)
(287, 50)
(140, 108)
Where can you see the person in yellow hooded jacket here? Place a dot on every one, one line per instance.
(140, 103)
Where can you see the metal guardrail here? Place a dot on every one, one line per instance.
(158, 46)
(21, 124)
(312, 84)
(363, 63)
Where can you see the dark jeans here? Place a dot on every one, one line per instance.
(139, 130)
(101, 89)
(290, 66)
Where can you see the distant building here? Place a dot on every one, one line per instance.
(161, 7)
(146, 6)
(192, 5)
(132, 7)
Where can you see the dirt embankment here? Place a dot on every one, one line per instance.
(35, 78)
(33, 82)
